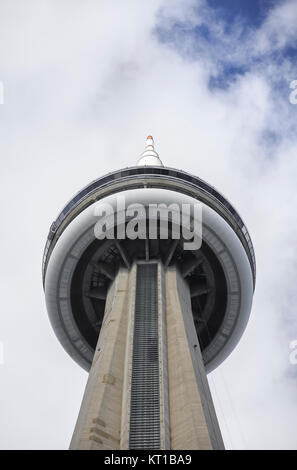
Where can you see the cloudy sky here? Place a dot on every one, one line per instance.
(85, 82)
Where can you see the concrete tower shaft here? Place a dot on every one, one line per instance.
(147, 386)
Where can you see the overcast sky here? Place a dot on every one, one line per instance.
(85, 82)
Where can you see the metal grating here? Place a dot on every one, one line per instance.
(145, 396)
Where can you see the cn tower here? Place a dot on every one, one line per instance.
(148, 316)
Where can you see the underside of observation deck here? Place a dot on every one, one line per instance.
(101, 261)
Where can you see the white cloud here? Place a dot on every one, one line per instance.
(279, 29)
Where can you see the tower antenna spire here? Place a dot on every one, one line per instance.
(149, 157)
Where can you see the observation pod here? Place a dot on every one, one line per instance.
(215, 282)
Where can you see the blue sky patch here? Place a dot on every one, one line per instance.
(253, 12)
(223, 33)
(227, 76)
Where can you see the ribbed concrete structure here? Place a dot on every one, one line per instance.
(150, 315)
(147, 386)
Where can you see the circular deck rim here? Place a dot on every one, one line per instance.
(149, 176)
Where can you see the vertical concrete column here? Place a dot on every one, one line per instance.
(163, 362)
(125, 418)
(99, 421)
(193, 422)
